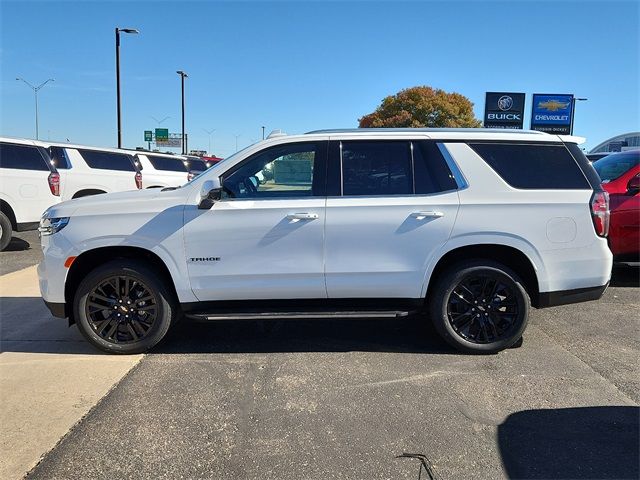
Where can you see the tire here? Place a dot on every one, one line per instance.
(5, 231)
(477, 317)
(109, 322)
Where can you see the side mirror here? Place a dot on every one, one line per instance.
(210, 193)
(633, 185)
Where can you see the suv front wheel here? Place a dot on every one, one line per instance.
(123, 307)
(479, 306)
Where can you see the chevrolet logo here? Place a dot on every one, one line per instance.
(553, 105)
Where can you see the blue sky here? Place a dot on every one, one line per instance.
(300, 66)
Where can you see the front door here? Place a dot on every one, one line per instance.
(264, 239)
(395, 206)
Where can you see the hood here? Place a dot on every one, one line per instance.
(132, 201)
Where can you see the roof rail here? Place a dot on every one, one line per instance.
(425, 130)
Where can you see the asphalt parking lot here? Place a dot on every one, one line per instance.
(343, 399)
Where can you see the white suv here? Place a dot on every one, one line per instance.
(29, 184)
(165, 170)
(88, 170)
(470, 227)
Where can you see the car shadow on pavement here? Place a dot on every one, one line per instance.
(625, 276)
(27, 326)
(17, 245)
(578, 443)
(407, 335)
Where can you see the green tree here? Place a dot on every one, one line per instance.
(422, 107)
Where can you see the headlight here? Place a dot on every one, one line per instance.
(49, 226)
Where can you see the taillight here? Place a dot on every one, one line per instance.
(600, 213)
(54, 183)
(139, 180)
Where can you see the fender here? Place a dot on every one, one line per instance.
(489, 238)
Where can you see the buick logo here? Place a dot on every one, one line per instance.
(505, 102)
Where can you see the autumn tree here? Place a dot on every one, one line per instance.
(422, 107)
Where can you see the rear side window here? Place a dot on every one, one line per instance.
(108, 160)
(376, 168)
(167, 163)
(196, 164)
(22, 157)
(533, 166)
(431, 172)
(59, 158)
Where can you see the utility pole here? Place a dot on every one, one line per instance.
(183, 75)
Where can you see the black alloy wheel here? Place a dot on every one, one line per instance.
(479, 306)
(483, 308)
(121, 309)
(125, 306)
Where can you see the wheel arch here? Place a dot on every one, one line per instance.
(8, 211)
(85, 192)
(89, 260)
(509, 256)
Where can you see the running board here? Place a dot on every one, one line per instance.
(297, 315)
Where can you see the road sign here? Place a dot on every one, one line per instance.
(148, 136)
(162, 134)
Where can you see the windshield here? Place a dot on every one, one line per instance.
(614, 166)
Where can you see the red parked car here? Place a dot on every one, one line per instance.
(620, 175)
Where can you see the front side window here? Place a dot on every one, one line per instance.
(21, 157)
(376, 168)
(291, 170)
(108, 160)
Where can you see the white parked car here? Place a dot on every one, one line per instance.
(88, 170)
(469, 227)
(29, 184)
(165, 170)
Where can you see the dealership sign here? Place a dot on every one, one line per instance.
(504, 110)
(552, 113)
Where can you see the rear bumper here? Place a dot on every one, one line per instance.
(564, 297)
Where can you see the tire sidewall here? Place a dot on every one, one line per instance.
(164, 319)
(445, 287)
(7, 231)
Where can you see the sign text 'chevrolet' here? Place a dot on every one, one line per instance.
(504, 110)
(552, 113)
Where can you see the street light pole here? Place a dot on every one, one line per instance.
(119, 107)
(573, 110)
(183, 75)
(209, 132)
(263, 133)
(238, 135)
(35, 94)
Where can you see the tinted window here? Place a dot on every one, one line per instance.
(108, 160)
(59, 158)
(376, 168)
(167, 163)
(533, 166)
(293, 170)
(585, 165)
(23, 157)
(430, 169)
(614, 166)
(196, 164)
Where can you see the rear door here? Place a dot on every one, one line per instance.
(392, 204)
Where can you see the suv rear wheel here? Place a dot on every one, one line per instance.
(479, 306)
(123, 307)
(5, 231)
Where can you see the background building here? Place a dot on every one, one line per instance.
(620, 143)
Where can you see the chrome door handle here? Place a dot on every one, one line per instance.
(425, 214)
(302, 216)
